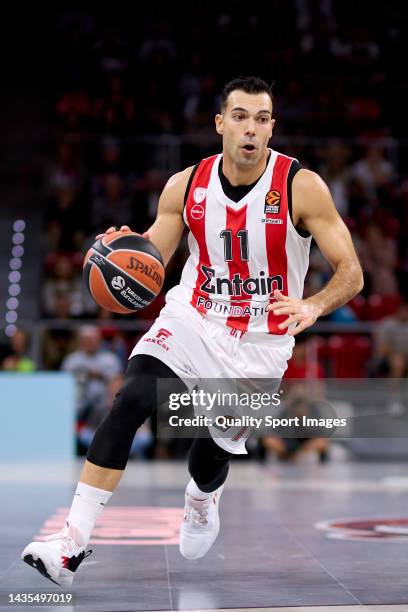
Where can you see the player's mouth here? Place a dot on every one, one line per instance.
(249, 148)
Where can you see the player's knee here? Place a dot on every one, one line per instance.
(134, 402)
(137, 398)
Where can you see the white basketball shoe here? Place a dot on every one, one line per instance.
(200, 525)
(59, 556)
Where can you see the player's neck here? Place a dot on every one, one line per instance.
(237, 175)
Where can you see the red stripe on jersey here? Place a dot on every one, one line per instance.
(236, 221)
(276, 239)
(196, 215)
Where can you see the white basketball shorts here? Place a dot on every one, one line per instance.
(194, 347)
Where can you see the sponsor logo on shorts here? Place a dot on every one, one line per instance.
(272, 201)
(118, 282)
(364, 528)
(161, 335)
(199, 194)
(197, 212)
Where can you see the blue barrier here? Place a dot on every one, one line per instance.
(37, 416)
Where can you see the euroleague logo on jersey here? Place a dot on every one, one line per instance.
(272, 201)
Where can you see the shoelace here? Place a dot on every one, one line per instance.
(69, 544)
(197, 510)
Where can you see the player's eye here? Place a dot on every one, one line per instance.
(238, 117)
(263, 119)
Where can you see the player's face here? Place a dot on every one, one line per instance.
(246, 126)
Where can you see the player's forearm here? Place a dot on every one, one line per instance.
(345, 283)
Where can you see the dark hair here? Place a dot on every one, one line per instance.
(250, 84)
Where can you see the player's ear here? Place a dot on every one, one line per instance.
(218, 123)
(273, 121)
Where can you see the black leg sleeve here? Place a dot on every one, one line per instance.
(134, 403)
(208, 464)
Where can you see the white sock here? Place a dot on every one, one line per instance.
(195, 492)
(87, 505)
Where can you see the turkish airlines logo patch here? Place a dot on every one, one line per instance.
(272, 201)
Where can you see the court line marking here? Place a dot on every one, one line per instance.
(166, 556)
(325, 569)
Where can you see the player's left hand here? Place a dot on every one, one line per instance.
(302, 312)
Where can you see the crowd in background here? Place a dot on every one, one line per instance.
(134, 101)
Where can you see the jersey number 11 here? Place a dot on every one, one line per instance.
(243, 244)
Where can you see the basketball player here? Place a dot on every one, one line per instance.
(251, 212)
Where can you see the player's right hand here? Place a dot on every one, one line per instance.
(124, 229)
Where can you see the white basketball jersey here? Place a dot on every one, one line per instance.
(240, 252)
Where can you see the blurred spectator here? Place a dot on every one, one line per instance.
(336, 173)
(66, 172)
(201, 107)
(318, 273)
(87, 427)
(300, 402)
(379, 256)
(64, 294)
(96, 371)
(147, 194)
(112, 207)
(114, 340)
(55, 345)
(392, 357)
(301, 399)
(66, 220)
(373, 172)
(159, 41)
(110, 159)
(17, 359)
(112, 52)
(304, 362)
(74, 110)
(115, 111)
(392, 351)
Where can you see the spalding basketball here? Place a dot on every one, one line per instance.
(124, 272)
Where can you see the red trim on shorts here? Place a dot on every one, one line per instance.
(236, 221)
(196, 223)
(276, 238)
